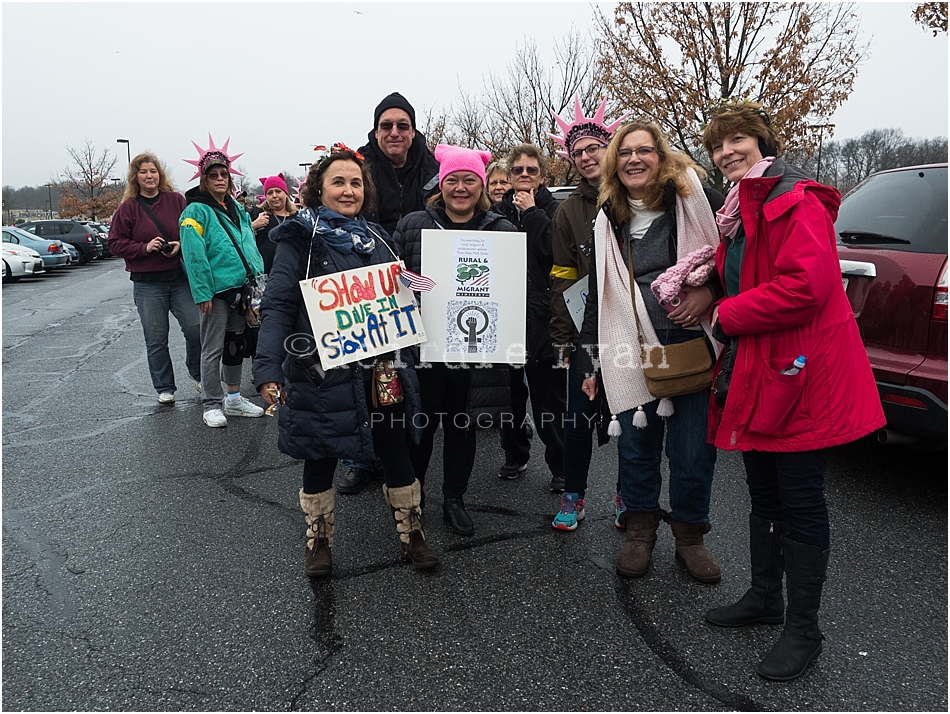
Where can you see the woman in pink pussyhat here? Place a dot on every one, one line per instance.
(463, 396)
(276, 209)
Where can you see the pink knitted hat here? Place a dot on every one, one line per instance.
(593, 127)
(457, 158)
(277, 181)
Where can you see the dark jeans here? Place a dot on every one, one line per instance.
(692, 459)
(548, 386)
(579, 425)
(790, 487)
(390, 438)
(444, 391)
(154, 301)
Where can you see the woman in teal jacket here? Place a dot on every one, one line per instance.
(215, 234)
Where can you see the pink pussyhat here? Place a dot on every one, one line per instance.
(213, 156)
(458, 158)
(592, 127)
(277, 181)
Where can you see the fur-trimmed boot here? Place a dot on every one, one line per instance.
(318, 511)
(800, 642)
(405, 502)
(634, 558)
(763, 602)
(691, 551)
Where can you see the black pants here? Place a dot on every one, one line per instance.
(390, 440)
(790, 487)
(548, 386)
(444, 391)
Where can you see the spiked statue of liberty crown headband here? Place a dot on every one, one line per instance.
(584, 126)
(213, 155)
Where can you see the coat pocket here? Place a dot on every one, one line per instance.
(780, 409)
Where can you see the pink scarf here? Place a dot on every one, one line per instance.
(728, 217)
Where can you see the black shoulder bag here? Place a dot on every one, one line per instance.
(252, 292)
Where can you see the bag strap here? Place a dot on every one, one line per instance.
(148, 211)
(247, 268)
(633, 285)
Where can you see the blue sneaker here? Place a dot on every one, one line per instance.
(620, 509)
(571, 513)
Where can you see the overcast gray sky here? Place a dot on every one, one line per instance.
(280, 78)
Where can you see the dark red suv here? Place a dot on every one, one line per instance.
(892, 243)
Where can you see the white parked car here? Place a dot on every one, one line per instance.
(20, 261)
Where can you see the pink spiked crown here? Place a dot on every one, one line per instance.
(583, 126)
(211, 156)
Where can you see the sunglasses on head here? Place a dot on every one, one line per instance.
(530, 170)
(402, 126)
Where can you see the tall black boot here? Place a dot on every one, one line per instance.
(762, 603)
(800, 643)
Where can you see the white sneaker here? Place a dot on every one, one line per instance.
(215, 418)
(242, 408)
(166, 398)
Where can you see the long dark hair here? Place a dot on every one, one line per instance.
(310, 193)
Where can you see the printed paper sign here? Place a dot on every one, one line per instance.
(575, 297)
(356, 314)
(476, 312)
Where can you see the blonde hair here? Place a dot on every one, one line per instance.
(132, 189)
(672, 167)
(289, 205)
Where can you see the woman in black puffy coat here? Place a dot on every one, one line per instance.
(330, 414)
(464, 397)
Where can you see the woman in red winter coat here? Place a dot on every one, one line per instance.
(784, 302)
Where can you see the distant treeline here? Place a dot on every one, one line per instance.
(28, 197)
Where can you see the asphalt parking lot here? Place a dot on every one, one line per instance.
(151, 563)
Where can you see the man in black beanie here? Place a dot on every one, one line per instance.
(404, 170)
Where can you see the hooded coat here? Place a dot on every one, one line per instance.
(791, 303)
(395, 198)
(332, 420)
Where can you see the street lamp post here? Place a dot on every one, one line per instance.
(115, 181)
(821, 134)
(306, 166)
(49, 190)
(128, 151)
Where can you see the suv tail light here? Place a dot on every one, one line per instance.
(53, 248)
(89, 238)
(939, 311)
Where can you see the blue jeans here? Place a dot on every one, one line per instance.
(692, 460)
(790, 487)
(154, 301)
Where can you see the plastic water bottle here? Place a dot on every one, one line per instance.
(797, 366)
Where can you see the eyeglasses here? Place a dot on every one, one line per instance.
(591, 151)
(402, 126)
(530, 170)
(642, 152)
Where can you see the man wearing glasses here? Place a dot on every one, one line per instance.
(584, 141)
(404, 170)
(530, 206)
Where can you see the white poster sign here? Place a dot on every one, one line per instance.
(356, 314)
(476, 312)
(575, 297)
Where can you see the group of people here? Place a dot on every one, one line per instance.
(791, 377)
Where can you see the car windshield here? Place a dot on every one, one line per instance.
(899, 210)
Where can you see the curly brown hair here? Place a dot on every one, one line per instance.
(673, 165)
(310, 193)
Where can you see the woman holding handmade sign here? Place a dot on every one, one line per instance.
(325, 267)
(462, 396)
(221, 257)
(650, 288)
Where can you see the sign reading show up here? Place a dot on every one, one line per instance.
(476, 311)
(356, 314)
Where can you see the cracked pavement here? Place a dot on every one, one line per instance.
(151, 563)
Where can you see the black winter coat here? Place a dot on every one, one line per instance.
(331, 420)
(536, 223)
(489, 396)
(420, 179)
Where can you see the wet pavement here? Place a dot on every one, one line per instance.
(152, 563)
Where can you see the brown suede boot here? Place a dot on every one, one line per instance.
(318, 511)
(405, 502)
(691, 551)
(634, 558)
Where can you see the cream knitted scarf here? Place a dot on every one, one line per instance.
(620, 351)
